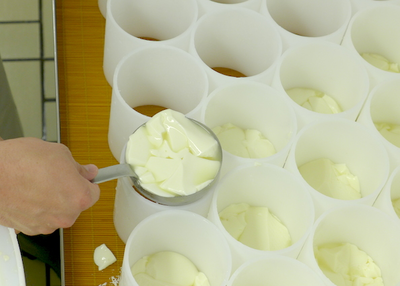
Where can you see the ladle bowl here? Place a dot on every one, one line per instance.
(125, 170)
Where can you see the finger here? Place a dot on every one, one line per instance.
(91, 197)
(89, 172)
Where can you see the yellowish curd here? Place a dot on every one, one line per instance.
(246, 143)
(167, 268)
(103, 257)
(172, 155)
(333, 180)
(381, 62)
(255, 227)
(390, 131)
(314, 100)
(396, 206)
(346, 265)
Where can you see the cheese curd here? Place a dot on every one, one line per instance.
(246, 143)
(381, 62)
(346, 265)
(390, 131)
(173, 155)
(255, 227)
(167, 268)
(314, 100)
(103, 257)
(333, 180)
(396, 206)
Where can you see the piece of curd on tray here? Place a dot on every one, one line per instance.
(172, 155)
(167, 268)
(255, 227)
(314, 100)
(390, 131)
(346, 265)
(103, 257)
(333, 180)
(246, 143)
(381, 62)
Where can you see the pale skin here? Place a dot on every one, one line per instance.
(42, 187)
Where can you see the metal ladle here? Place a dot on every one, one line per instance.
(125, 170)
(114, 172)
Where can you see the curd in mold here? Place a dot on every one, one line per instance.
(346, 265)
(173, 155)
(390, 131)
(255, 227)
(246, 143)
(167, 268)
(381, 62)
(396, 206)
(331, 179)
(314, 100)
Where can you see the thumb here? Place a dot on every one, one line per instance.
(88, 171)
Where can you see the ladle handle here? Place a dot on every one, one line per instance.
(113, 172)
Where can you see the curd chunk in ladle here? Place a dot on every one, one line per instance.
(173, 155)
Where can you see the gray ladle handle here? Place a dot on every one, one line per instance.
(113, 172)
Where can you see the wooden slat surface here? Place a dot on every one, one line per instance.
(85, 98)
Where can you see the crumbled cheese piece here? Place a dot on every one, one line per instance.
(103, 257)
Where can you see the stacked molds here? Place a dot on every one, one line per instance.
(234, 62)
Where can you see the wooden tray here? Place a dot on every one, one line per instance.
(85, 98)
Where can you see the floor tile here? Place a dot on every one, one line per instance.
(49, 79)
(19, 10)
(25, 84)
(48, 33)
(24, 48)
(19, 41)
(50, 111)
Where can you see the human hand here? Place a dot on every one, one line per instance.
(42, 187)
